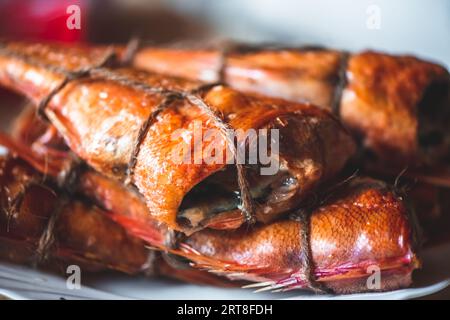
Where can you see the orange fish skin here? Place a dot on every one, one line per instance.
(100, 121)
(385, 101)
(291, 74)
(81, 232)
(361, 226)
(84, 234)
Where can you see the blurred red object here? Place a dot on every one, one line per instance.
(39, 20)
(42, 20)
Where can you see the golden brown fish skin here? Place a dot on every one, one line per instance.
(390, 251)
(37, 86)
(165, 190)
(116, 198)
(381, 102)
(298, 75)
(405, 80)
(362, 225)
(106, 144)
(84, 234)
(124, 206)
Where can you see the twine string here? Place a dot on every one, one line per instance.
(194, 97)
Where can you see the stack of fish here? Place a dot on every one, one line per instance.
(94, 173)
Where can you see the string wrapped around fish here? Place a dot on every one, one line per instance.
(399, 106)
(39, 226)
(128, 124)
(328, 248)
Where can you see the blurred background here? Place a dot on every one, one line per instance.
(418, 27)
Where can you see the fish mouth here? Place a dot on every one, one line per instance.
(434, 118)
(301, 166)
(219, 197)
